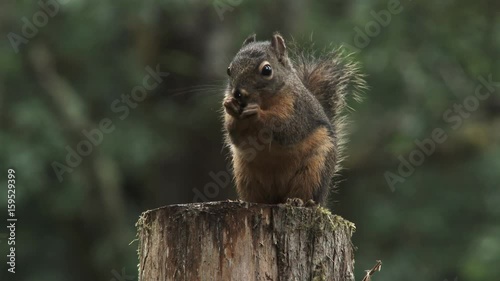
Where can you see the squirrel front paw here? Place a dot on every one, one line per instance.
(232, 106)
(251, 109)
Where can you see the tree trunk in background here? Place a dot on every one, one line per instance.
(243, 241)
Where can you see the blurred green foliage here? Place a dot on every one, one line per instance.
(442, 222)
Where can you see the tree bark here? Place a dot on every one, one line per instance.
(243, 241)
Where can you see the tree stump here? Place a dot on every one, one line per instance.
(244, 241)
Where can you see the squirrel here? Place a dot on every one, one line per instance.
(283, 119)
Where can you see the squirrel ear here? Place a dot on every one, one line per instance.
(250, 39)
(278, 44)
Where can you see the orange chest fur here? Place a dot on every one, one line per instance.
(275, 165)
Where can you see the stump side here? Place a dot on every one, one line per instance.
(243, 241)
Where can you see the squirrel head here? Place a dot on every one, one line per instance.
(259, 69)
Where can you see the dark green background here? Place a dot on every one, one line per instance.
(442, 222)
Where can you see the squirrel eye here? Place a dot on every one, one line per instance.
(228, 71)
(237, 94)
(266, 70)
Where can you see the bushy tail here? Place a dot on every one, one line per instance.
(332, 77)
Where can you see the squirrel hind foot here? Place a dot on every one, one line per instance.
(296, 202)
